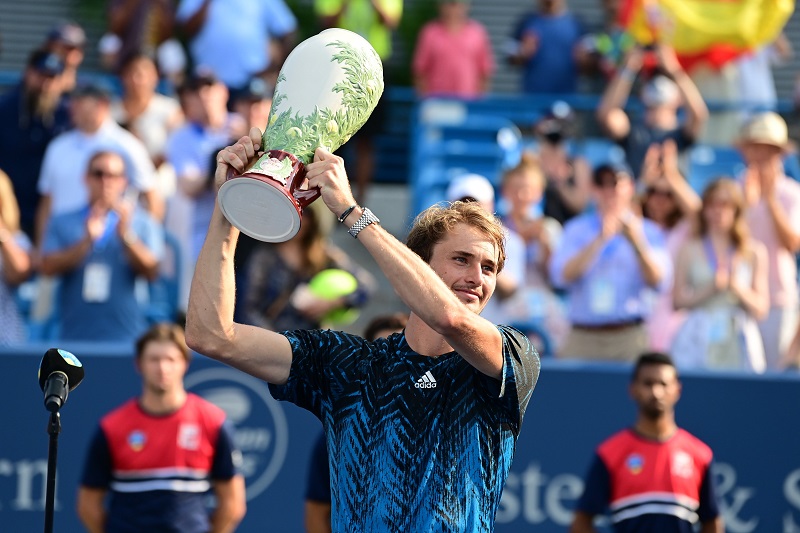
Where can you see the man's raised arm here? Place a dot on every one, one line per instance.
(210, 329)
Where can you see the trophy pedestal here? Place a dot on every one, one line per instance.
(265, 202)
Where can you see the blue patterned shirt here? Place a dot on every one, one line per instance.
(416, 443)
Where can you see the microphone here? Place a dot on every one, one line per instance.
(59, 373)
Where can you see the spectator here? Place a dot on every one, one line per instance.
(567, 179)
(721, 278)
(68, 40)
(140, 26)
(31, 115)
(150, 116)
(547, 45)
(671, 203)
(98, 251)
(358, 389)
(318, 486)
(238, 39)
(607, 47)
(15, 264)
(277, 295)
(663, 95)
(62, 184)
(190, 151)
(654, 476)
(609, 262)
(477, 188)
(158, 455)
(522, 188)
(453, 56)
(375, 20)
(254, 102)
(756, 84)
(773, 216)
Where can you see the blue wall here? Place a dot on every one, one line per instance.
(753, 424)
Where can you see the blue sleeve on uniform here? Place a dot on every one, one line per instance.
(597, 492)
(320, 361)
(521, 367)
(225, 463)
(709, 507)
(318, 488)
(97, 468)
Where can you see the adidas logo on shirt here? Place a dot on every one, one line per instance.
(427, 381)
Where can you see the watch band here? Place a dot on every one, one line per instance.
(367, 218)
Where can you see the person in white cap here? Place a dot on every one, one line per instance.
(663, 95)
(477, 188)
(773, 216)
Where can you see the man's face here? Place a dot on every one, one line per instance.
(656, 390)
(106, 179)
(466, 260)
(613, 194)
(162, 367)
(255, 112)
(41, 85)
(140, 76)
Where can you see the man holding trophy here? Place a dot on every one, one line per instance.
(420, 426)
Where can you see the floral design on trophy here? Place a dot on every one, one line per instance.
(326, 90)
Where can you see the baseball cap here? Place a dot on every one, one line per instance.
(659, 91)
(257, 89)
(68, 33)
(472, 186)
(46, 63)
(765, 128)
(610, 172)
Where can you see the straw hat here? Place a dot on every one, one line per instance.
(765, 128)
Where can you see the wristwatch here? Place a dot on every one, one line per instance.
(367, 218)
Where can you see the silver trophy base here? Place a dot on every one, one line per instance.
(258, 209)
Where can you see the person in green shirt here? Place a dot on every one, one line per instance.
(374, 20)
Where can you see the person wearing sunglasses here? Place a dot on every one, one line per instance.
(609, 262)
(99, 251)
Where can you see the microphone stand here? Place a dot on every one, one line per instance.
(53, 429)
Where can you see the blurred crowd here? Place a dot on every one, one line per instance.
(106, 189)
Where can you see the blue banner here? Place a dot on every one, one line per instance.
(751, 423)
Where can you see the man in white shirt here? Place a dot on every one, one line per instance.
(61, 182)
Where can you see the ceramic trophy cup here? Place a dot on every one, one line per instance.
(326, 90)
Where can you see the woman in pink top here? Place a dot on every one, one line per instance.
(453, 55)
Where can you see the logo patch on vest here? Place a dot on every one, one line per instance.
(635, 463)
(137, 440)
(189, 437)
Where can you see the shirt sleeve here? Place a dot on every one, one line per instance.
(709, 506)
(151, 233)
(318, 488)
(53, 239)
(521, 366)
(278, 18)
(314, 354)
(597, 490)
(572, 241)
(421, 62)
(227, 458)
(658, 245)
(97, 468)
(487, 66)
(45, 183)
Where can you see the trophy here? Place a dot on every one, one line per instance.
(326, 90)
